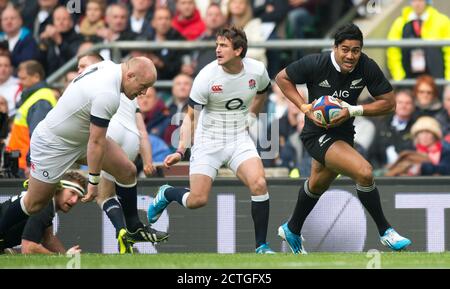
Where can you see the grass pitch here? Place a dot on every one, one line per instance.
(234, 261)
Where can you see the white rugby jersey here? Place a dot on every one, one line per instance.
(95, 92)
(126, 114)
(226, 98)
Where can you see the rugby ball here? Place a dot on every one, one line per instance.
(326, 108)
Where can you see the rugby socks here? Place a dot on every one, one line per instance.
(128, 199)
(305, 203)
(178, 195)
(370, 198)
(15, 214)
(260, 215)
(113, 210)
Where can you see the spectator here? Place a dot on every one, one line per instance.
(9, 85)
(187, 20)
(155, 112)
(300, 22)
(214, 20)
(364, 135)
(277, 104)
(84, 47)
(240, 15)
(36, 101)
(443, 116)
(427, 96)
(4, 123)
(21, 44)
(393, 132)
(167, 61)
(141, 17)
(292, 153)
(117, 22)
(273, 13)
(59, 41)
(37, 15)
(432, 155)
(93, 21)
(419, 20)
(181, 89)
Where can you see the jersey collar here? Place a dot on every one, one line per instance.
(336, 66)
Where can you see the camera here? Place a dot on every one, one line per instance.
(9, 163)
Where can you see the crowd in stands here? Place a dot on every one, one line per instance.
(38, 36)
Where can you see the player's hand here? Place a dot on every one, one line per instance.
(343, 116)
(74, 250)
(307, 110)
(149, 169)
(91, 194)
(172, 159)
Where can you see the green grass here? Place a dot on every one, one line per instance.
(233, 261)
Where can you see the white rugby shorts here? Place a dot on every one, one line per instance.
(50, 156)
(206, 159)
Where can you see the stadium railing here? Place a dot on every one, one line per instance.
(117, 47)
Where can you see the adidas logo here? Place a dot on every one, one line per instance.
(324, 84)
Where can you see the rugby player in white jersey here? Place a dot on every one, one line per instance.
(127, 129)
(75, 131)
(224, 92)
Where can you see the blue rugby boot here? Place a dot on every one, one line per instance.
(294, 241)
(393, 240)
(264, 249)
(158, 205)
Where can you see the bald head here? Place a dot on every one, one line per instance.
(138, 74)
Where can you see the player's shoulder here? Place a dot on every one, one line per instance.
(253, 66)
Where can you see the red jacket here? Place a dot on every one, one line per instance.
(191, 28)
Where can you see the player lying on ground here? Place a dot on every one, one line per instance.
(35, 235)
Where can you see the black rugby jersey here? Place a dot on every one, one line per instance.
(31, 229)
(322, 78)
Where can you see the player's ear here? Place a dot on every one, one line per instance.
(238, 51)
(131, 74)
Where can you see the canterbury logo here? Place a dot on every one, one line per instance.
(324, 83)
(216, 88)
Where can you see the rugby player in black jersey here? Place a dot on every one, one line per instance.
(35, 235)
(342, 73)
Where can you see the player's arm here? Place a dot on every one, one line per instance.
(30, 247)
(289, 89)
(187, 130)
(51, 242)
(95, 153)
(145, 149)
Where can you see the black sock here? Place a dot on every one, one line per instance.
(128, 200)
(370, 198)
(13, 215)
(260, 215)
(305, 203)
(175, 194)
(113, 210)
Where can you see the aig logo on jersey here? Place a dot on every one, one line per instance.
(217, 88)
(341, 94)
(252, 84)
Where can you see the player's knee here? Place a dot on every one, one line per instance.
(365, 175)
(259, 187)
(195, 202)
(317, 188)
(127, 174)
